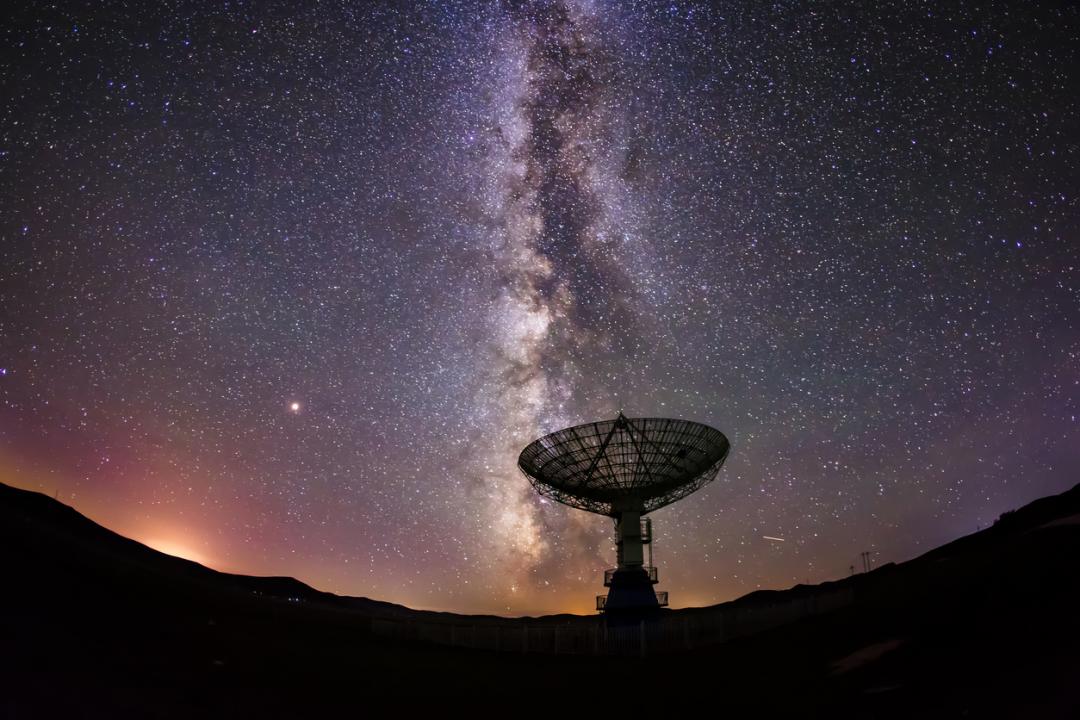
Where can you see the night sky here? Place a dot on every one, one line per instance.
(286, 287)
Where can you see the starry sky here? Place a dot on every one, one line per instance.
(286, 287)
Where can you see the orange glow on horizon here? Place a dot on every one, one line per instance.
(176, 549)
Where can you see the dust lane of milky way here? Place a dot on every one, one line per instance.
(286, 289)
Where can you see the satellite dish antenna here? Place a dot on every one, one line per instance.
(625, 468)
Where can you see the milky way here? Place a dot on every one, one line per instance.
(286, 289)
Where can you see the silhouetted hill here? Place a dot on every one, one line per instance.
(80, 549)
(97, 625)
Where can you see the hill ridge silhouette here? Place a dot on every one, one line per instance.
(39, 507)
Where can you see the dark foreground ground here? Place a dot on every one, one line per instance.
(95, 625)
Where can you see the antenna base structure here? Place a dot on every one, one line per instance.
(625, 468)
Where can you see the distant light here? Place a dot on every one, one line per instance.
(180, 549)
(294, 406)
(769, 537)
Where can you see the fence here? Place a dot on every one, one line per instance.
(670, 632)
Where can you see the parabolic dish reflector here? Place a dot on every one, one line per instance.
(626, 463)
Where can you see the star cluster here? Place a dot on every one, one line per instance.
(287, 286)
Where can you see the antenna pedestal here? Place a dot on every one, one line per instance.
(631, 593)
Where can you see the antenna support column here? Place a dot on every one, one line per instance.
(630, 548)
(631, 583)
